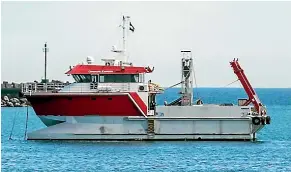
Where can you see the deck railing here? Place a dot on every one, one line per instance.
(81, 87)
(41, 87)
(86, 87)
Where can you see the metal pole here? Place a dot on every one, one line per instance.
(45, 49)
(45, 63)
(26, 122)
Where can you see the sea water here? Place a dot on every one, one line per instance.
(272, 151)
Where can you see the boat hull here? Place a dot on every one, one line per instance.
(127, 128)
(140, 137)
(81, 104)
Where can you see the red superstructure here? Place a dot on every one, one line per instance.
(104, 90)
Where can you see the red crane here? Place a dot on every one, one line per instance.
(253, 98)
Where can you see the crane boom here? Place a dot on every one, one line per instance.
(253, 98)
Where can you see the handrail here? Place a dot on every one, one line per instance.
(38, 87)
(84, 87)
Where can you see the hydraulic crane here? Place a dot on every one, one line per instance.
(253, 98)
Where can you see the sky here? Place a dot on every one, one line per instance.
(258, 33)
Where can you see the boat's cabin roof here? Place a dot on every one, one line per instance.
(103, 69)
(108, 74)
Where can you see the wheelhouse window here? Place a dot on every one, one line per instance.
(109, 78)
(119, 78)
(141, 78)
(82, 78)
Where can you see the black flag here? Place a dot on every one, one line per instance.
(131, 27)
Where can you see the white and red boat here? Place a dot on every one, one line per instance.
(113, 101)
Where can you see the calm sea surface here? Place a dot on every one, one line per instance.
(271, 153)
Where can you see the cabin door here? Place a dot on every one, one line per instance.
(94, 78)
(94, 81)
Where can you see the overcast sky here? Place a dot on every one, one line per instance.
(258, 33)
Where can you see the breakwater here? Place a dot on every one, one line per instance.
(10, 95)
(11, 92)
(14, 102)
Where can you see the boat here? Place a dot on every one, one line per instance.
(113, 102)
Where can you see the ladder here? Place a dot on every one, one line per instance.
(151, 128)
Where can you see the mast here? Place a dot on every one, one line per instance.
(123, 36)
(125, 25)
(187, 79)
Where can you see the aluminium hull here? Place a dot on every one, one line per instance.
(146, 129)
(139, 137)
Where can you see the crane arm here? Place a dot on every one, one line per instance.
(253, 98)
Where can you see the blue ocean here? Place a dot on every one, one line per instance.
(272, 151)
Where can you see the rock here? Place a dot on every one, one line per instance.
(14, 100)
(3, 103)
(10, 104)
(17, 105)
(6, 98)
(23, 105)
(23, 100)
